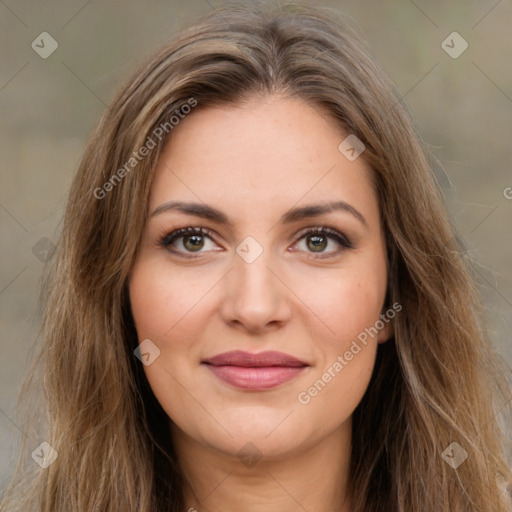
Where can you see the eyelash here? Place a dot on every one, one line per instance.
(167, 239)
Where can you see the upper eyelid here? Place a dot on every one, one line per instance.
(189, 230)
(200, 230)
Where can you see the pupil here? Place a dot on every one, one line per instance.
(197, 242)
(319, 242)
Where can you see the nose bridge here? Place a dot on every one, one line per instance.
(254, 274)
(251, 273)
(254, 296)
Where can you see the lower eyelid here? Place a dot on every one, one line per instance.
(324, 254)
(178, 238)
(172, 237)
(333, 235)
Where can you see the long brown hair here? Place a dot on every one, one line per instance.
(435, 382)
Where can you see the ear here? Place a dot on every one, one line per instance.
(386, 332)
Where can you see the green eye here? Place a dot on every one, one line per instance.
(193, 242)
(317, 240)
(317, 243)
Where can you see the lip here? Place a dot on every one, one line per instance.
(265, 370)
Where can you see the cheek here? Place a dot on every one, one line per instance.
(346, 351)
(171, 308)
(166, 307)
(161, 300)
(357, 308)
(347, 303)
(349, 307)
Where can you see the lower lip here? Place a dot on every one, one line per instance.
(256, 378)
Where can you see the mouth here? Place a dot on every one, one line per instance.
(256, 372)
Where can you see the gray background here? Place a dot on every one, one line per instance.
(462, 107)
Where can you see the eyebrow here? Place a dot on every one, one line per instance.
(293, 215)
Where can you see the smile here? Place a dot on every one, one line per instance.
(256, 372)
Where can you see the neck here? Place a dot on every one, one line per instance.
(312, 479)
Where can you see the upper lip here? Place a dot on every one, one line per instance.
(248, 360)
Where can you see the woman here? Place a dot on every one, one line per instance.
(258, 302)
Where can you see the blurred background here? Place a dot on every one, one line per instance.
(61, 61)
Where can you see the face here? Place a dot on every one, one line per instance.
(262, 307)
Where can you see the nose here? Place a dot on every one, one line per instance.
(255, 296)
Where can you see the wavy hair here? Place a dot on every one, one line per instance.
(435, 382)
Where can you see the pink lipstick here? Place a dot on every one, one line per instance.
(265, 370)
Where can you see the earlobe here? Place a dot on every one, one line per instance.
(387, 332)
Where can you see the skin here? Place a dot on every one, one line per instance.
(254, 162)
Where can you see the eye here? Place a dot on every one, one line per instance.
(188, 240)
(317, 240)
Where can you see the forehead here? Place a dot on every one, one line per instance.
(270, 153)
